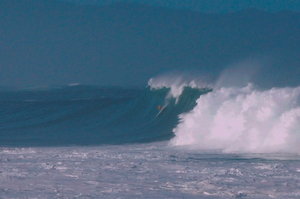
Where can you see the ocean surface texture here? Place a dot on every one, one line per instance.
(105, 142)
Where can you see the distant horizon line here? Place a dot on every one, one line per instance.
(62, 86)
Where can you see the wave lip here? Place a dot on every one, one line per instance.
(243, 120)
(176, 84)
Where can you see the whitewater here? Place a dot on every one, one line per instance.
(211, 141)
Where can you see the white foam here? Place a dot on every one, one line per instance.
(176, 83)
(243, 120)
(74, 84)
(153, 170)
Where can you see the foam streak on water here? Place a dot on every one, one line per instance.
(243, 120)
(144, 171)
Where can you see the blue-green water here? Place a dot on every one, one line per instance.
(86, 115)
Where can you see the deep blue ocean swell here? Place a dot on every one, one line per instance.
(83, 115)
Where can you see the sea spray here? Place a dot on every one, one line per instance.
(243, 120)
(176, 84)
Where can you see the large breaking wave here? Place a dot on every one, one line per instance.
(226, 118)
(244, 119)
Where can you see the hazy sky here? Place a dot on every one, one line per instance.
(47, 42)
(211, 6)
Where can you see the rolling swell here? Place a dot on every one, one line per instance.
(82, 115)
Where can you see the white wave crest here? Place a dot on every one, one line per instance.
(243, 120)
(176, 84)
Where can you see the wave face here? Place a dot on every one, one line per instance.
(245, 119)
(83, 115)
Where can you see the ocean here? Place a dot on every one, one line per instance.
(210, 141)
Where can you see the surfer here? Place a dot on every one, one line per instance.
(161, 108)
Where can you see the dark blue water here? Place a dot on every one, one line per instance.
(86, 115)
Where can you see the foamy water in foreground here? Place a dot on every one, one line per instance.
(153, 170)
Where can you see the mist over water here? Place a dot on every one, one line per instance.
(241, 72)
